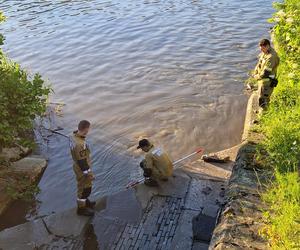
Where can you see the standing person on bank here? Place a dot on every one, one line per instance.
(265, 72)
(156, 165)
(80, 151)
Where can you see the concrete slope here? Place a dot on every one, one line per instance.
(179, 214)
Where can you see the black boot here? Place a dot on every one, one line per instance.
(85, 211)
(90, 204)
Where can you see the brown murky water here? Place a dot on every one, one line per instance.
(171, 71)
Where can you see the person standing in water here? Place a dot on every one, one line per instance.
(80, 152)
(265, 72)
(156, 165)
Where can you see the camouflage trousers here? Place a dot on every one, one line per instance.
(265, 91)
(151, 173)
(84, 186)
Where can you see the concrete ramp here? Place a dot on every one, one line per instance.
(178, 214)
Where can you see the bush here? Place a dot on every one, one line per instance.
(22, 98)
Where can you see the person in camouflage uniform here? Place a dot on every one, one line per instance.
(265, 72)
(156, 165)
(80, 152)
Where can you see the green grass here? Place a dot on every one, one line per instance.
(283, 197)
(280, 125)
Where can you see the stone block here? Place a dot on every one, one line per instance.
(177, 186)
(29, 236)
(124, 205)
(203, 193)
(183, 238)
(67, 223)
(107, 230)
(33, 166)
(14, 153)
(203, 227)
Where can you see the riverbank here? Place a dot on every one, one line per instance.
(241, 220)
(262, 208)
(245, 211)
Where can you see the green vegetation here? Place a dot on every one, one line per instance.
(22, 98)
(283, 228)
(280, 125)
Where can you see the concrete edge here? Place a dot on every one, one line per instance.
(241, 216)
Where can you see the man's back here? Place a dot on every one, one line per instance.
(159, 162)
(79, 148)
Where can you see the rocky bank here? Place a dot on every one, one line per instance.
(19, 166)
(241, 218)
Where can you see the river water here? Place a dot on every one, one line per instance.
(171, 71)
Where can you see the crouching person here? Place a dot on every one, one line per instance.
(156, 165)
(82, 168)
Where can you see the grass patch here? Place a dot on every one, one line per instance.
(280, 125)
(283, 197)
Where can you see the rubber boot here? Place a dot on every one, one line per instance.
(90, 204)
(85, 211)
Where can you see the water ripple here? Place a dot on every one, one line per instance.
(170, 70)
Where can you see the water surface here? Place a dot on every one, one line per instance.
(171, 71)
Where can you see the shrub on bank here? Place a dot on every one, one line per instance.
(22, 98)
(281, 126)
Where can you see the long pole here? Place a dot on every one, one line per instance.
(134, 183)
(55, 132)
(188, 156)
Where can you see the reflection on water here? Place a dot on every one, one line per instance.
(168, 70)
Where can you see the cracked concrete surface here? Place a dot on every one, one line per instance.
(57, 231)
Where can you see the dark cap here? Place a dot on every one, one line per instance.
(264, 42)
(143, 143)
